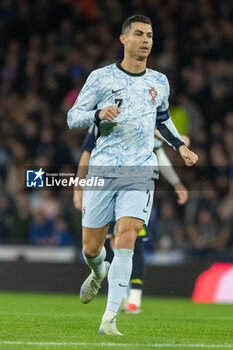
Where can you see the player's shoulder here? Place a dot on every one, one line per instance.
(103, 71)
(157, 76)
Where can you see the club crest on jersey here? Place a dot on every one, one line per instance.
(153, 93)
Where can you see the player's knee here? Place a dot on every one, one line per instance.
(127, 233)
(137, 226)
(132, 231)
(130, 228)
(127, 237)
(91, 252)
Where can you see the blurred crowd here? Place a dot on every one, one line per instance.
(48, 48)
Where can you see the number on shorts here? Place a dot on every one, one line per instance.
(148, 201)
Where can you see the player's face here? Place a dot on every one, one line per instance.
(138, 40)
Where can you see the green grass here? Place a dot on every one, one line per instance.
(44, 318)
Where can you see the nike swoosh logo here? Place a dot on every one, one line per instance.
(114, 91)
(122, 285)
(145, 211)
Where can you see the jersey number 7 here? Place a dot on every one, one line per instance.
(118, 102)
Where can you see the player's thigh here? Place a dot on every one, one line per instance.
(98, 208)
(93, 240)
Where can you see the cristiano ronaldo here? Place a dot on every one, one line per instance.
(131, 101)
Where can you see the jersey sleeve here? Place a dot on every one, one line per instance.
(157, 143)
(164, 123)
(166, 167)
(90, 139)
(82, 114)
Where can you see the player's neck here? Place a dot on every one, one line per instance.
(133, 66)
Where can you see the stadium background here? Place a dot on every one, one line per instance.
(47, 49)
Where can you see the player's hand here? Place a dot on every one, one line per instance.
(77, 199)
(109, 113)
(181, 192)
(190, 158)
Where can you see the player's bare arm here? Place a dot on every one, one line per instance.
(168, 171)
(81, 174)
(181, 192)
(185, 138)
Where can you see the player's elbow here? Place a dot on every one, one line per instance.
(70, 119)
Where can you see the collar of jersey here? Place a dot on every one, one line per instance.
(129, 73)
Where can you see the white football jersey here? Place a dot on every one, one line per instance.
(127, 141)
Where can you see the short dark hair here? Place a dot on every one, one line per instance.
(136, 18)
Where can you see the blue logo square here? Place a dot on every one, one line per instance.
(35, 178)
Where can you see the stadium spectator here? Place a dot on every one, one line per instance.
(167, 228)
(207, 235)
(6, 217)
(19, 228)
(60, 235)
(41, 228)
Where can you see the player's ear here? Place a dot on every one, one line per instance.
(122, 38)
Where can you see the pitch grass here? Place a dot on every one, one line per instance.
(61, 322)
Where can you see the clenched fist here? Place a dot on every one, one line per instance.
(109, 113)
(190, 158)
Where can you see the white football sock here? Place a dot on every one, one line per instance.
(118, 277)
(97, 263)
(135, 297)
